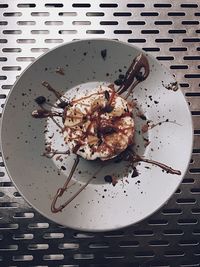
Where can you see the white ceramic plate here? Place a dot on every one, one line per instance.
(101, 206)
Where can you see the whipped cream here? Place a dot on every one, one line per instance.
(99, 125)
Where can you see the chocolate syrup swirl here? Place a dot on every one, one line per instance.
(136, 73)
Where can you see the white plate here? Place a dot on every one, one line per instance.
(101, 206)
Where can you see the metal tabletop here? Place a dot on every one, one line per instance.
(167, 29)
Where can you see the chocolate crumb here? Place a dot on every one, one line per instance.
(51, 136)
(63, 104)
(118, 82)
(108, 179)
(63, 168)
(141, 116)
(146, 142)
(150, 97)
(48, 148)
(134, 173)
(40, 100)
(104, 54)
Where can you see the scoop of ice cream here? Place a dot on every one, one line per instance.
(99, 125)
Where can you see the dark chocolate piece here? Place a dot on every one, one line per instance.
(108, 179)
(134, 173)
(40, 100)
(63, 104)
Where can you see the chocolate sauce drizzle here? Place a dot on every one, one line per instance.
(163, 166)
(50, 154)
(136, 73)
(130, 156)
(44, 113)
(61, 190)
(150, 125)
(51, 89)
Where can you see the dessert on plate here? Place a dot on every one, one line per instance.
(99, 125)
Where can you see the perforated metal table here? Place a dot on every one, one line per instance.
(169, 30)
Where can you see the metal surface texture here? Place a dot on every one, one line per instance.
(169, 30)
